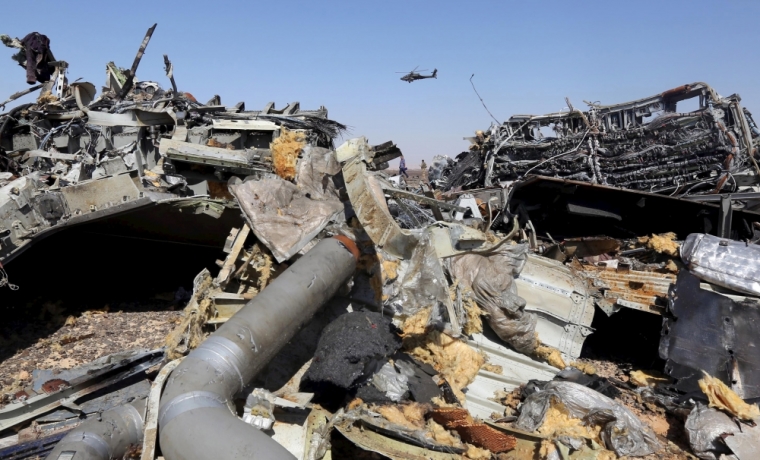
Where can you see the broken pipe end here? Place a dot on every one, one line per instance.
(350, 245)
(101, 438)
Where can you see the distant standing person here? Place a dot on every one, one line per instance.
(402, 167)
(424, 168)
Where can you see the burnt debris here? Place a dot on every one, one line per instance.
(649, 144)
(582, 284)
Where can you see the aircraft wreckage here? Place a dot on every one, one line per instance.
(70, 157)
(352, 317)
(645, 144)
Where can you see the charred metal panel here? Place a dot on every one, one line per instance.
(546, 203)
(708, 331)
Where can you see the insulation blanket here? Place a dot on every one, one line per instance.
(491, 279)
(728, 263)
(422, 281)
(621, 431)
(705, 428)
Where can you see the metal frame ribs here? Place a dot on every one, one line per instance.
(647, 144)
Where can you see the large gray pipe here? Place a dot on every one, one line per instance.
(196, 419)
(105, 438)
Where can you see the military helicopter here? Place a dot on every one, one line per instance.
(414, 75)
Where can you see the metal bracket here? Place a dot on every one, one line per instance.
(726, 213)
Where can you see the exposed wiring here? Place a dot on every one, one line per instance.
(490, 217)
(481, 100)
(736, 185)
(559, 155)
(510, 137)
(4, 281)
(678, 186)
(695, 186)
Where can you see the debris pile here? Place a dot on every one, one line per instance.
(354, 312)
(72, 157)
(646, 144)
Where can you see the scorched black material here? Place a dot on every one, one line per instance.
(351, 344)
(708, 331)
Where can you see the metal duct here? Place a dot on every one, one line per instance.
(108, 437)
(196, 418)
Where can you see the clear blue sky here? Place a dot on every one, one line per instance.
(526, 56)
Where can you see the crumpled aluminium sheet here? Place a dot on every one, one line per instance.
(422, 282)
(393, 380)
(704, 426)
(491, 278)
(728, 263)
(622, 431)
(317, 173)
(281, 216)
